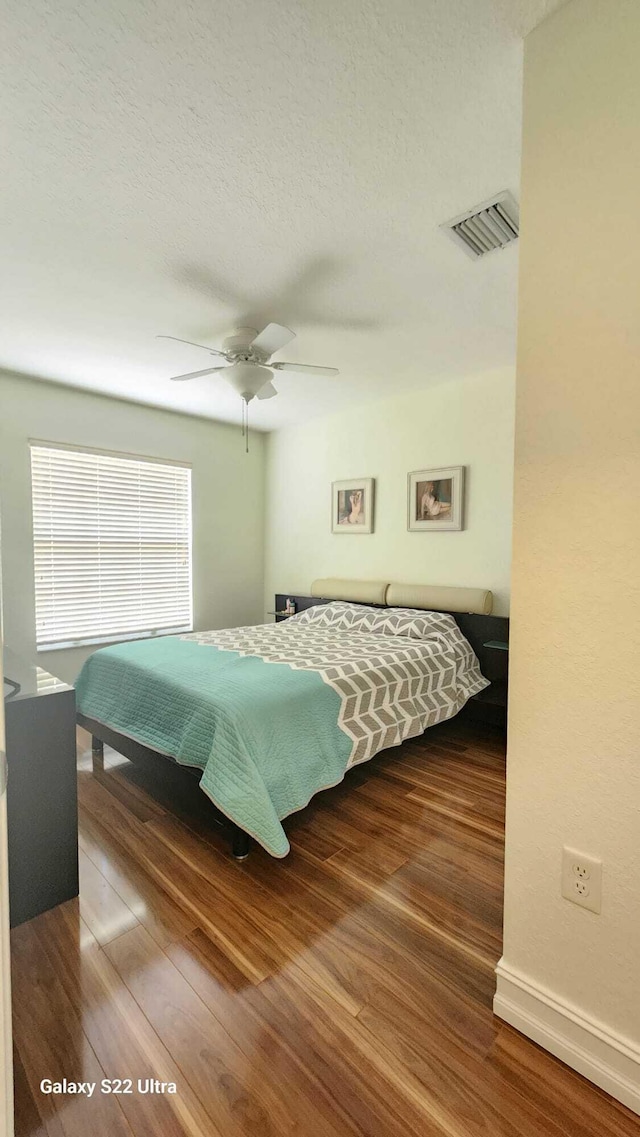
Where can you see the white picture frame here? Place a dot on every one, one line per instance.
(352, 505)
(435, 499)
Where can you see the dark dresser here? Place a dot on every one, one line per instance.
(42, 807)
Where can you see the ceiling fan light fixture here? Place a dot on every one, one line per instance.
(247, 379)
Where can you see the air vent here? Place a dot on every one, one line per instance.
(489, 226)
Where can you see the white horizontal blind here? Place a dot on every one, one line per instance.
(112, 546)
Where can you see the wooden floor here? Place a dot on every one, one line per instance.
(344, 990)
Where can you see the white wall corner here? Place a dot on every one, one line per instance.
(605, 1058)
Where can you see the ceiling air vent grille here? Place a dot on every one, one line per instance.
(489, 226)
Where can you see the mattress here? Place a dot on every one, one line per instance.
(272, 714)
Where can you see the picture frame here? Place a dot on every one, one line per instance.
(435, 499)
(352, 505)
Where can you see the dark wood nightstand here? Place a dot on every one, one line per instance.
(301, 603)
(491, 704)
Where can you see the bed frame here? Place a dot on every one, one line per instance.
(152, 760)
(478, 629)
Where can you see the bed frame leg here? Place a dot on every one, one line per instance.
(97, 755)
(240, 843)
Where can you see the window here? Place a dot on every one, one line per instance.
(112, 546)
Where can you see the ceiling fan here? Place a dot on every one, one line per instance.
(244, 361)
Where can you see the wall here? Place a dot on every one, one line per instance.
(468, 423)
(569, 978)
(228, 505)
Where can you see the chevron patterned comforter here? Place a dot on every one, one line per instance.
(274, 713)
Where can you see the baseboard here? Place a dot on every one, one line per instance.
(609, 1060)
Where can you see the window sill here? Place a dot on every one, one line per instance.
(104, 641)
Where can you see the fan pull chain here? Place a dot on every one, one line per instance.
(245, 424)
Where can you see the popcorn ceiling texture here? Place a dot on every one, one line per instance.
(184, 167)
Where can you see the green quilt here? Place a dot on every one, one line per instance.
(265, 737)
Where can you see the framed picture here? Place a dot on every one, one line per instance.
(435, 499)
(352, 506)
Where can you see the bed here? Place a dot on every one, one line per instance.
(267, 716)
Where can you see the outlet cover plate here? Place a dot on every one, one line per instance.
(582, 879)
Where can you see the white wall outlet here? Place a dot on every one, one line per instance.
(582, 879)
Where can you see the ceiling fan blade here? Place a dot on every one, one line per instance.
(196, 374)
(305, 368)
(272, 338)
(211, 350)
(267, 392)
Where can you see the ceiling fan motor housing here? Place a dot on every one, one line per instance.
(239, 346)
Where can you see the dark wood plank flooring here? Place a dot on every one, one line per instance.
(345, 990)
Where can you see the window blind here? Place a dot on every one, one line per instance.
(112, 546)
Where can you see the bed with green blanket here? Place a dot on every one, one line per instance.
(273, 714)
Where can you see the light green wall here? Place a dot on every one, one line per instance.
(228, 500)
(468, 423)
(465, 423)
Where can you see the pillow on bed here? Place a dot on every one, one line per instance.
(338, 614)
(412, 622)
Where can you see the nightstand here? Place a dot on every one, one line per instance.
(301, 603)
(491, 704)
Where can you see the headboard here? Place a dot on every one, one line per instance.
(355, 591)
(431, 597)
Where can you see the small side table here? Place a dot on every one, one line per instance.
(491, 704)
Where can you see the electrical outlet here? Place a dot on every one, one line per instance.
(582, 879)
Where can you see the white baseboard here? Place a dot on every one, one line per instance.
(609, 1060)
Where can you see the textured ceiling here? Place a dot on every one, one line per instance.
(187, 167)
